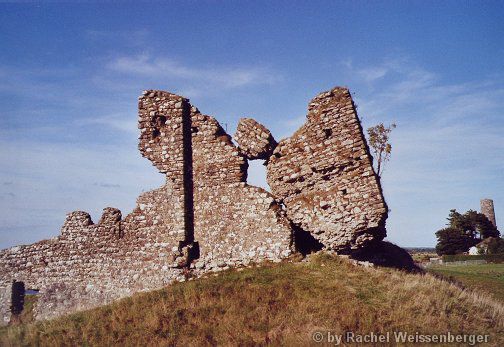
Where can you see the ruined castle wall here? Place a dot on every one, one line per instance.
(205, 199)
(324, 175)
(92, 264)
(224, 210)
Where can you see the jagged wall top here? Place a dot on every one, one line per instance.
(254, 140)
(160, 120)
(175, 136)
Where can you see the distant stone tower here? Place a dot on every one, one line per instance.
(487, 208)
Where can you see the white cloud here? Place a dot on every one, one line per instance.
(126, 122)
(222, 77)
(372, 74)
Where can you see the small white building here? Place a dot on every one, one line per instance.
(474, 250)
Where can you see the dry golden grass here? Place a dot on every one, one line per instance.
(281, 304)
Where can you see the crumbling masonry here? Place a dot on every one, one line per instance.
(206, 217)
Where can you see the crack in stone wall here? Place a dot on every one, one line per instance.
(206, 218)
(188, 178)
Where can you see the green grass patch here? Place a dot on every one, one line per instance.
(491, 258)
(488, 278)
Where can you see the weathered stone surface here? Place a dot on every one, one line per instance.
(92, 264)
(206, 218)
(324, 175)
(254, 140)
(487, 208)
(234, 223)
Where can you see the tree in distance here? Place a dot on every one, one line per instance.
(463, 232)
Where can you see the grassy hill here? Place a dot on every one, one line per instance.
(276, 304)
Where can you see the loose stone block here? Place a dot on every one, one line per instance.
(254, 140)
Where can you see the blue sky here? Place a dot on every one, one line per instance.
(70, 75)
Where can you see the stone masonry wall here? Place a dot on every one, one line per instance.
(324, 176)
(234, 223)
(206, 218)
(5, 302)
(93, 264)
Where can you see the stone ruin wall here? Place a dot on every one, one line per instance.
(221, 205)
(92, 264)
(325, 178)
(206, 217)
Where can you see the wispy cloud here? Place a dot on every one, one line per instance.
(135, 37)
(107, 185)
(52, 102)
(372, 74)
(162, 67)
(367, 74)
(126, 122)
